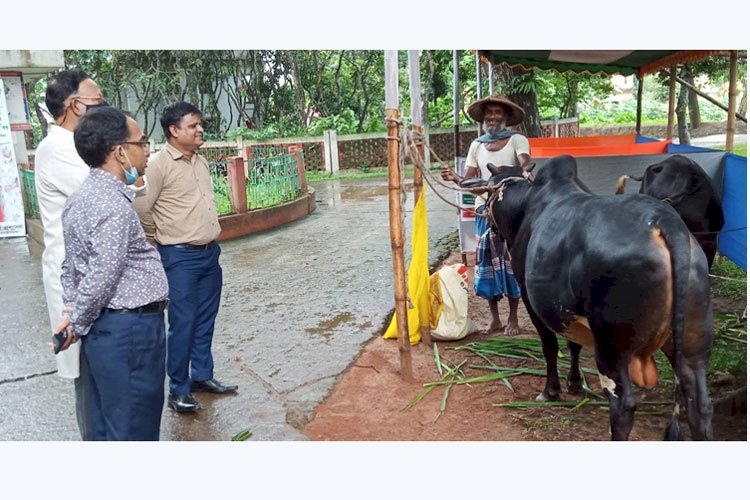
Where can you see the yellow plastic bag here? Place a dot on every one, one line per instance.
(418, 314)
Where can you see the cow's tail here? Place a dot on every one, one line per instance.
(678, 242)
(620, 187)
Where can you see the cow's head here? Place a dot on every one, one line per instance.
(675, 178)
(505, 190)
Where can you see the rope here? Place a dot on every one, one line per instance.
(410, 141)
(723, 231)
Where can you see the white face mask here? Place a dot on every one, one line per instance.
(132, 175)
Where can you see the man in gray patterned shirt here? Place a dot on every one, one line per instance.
(114, 286)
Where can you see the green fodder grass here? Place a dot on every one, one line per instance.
(730, 280)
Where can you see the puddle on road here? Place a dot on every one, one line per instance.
(325, 328)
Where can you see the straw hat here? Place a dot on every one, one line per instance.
(514, 111)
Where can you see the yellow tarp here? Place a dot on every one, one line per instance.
(418, 278)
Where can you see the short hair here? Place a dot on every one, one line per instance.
(98, 132)
(62, 85)
(173, 113)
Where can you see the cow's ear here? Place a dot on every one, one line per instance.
(493, 169)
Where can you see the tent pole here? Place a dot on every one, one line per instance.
(394, 210)
(732, 100)
(639, 109)
(670, 116)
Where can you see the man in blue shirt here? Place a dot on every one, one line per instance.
(114, 287)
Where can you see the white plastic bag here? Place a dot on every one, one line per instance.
(450, 303)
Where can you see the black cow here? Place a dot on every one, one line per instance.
(621, 273)
(683, 184)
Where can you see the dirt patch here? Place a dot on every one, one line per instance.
(369, 401)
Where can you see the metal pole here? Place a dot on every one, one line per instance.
(732, 100)
(456, 121)
(394, 209)
(415, 93)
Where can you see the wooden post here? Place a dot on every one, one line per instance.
(237, 185)
(415, 93)
(639, 108)
(732, 101)
(670, 116)
(394, 210)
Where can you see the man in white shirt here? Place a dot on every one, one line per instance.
(493, 274)
(59, 172)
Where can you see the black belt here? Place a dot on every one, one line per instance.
(148, 308)
(192, 247)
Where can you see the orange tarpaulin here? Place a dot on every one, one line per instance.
(594, 146)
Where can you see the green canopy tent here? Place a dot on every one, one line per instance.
(624, 62)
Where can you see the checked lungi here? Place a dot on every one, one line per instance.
(493, 274)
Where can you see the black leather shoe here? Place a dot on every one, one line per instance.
(212, 385)
(183, 403)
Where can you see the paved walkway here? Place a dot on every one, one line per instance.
(298, 304)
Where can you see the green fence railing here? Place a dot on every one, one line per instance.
(31, 206)
(221, 187)
(268, 151)
(271, 181)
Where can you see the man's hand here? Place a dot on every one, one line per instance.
(448, 174)
(67, 327)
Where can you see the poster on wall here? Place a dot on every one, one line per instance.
(12, 222)
(15, 100)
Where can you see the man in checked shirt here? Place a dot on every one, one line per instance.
(114, 286)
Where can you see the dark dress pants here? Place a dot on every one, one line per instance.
(195, 279)
(122, 377)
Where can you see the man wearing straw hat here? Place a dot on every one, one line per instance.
(493, 274)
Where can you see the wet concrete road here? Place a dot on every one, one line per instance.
(298, 304)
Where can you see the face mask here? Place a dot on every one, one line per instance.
(102, 104)
(132, 175)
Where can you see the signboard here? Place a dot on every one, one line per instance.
(466, 235)
(15, 100)
(12, 221)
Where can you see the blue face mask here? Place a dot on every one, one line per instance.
(132, 175)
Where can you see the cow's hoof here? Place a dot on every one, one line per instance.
(544, 396)
(574, 387)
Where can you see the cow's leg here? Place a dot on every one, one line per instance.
(575, 382)
(691, 391)
(550, 348)
(613, 373)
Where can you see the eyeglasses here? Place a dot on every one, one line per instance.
(144, 144)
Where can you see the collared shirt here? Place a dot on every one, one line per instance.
(179, 207)
(108, 261)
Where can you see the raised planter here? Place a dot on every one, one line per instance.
(254, 221)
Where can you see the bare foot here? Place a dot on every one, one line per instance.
(512, 329)
(495, 327)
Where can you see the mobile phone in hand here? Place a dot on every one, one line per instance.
(58, 340)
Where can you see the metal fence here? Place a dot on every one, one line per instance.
(271, 181)
(29, 193)
(221, 186)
